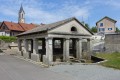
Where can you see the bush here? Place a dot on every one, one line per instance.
(8, 38)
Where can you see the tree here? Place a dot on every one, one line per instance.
(94, 29)
(117, 29)
(87, 26)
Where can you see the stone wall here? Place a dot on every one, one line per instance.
(112, 43)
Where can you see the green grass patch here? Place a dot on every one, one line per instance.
(113, 59)
(8, 38)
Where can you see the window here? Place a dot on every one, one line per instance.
(101, 29)
(109, 29)
(101, 24)
(73, 29)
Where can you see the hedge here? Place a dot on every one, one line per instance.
(8, 38)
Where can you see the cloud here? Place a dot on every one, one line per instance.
(113, 3)
(39, 11)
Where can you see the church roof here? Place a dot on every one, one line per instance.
(21, 9)
(47, 27)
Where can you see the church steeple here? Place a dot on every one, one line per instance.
(21, 14)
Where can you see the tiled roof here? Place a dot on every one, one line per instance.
(18, 26)
(13, 26)
(27, 26)
(47, 27)
(107, 18)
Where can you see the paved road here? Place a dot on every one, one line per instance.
(87, 72)
(12, 68)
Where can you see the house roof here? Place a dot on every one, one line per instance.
(47, 27)
(27, 26)
(107, 18)
(18, 26)
(13, 26)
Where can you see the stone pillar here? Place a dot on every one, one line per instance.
(35, 56)
(49, 50)
(25, 46)
(79, 48)
(66, 50)
(19, 45)
(25, 50)
(35, 46)
(89, 48)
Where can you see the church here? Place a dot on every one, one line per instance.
(12, 29)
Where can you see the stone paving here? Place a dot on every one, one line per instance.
(87, 72)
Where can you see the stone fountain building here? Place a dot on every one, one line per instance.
(60, 40)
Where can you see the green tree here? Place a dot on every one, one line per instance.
(87, 26)
(94, 29)
(117, 29)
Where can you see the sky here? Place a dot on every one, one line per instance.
(48, 11)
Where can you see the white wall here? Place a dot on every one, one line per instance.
(4, 34)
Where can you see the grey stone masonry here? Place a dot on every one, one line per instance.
(79, 48)
(49, 50)
(112, 43)
(66, 50)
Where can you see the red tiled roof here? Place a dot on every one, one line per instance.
(27, 26)
(18, 26)
(13, 26)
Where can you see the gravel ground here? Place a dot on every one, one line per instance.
(87, 72)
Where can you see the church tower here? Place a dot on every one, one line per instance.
(21, 18)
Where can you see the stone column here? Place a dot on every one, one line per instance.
(35, 46)
(89, 48)
(66, 50)
(79, 48)
(19, 45)
(35, 56)
(25, 50)
(49, 50)
(25, 46)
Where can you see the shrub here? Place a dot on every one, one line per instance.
(8, 38)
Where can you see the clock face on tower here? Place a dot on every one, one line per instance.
(22, 20)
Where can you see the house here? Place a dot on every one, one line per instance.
(60, 40)
(12, 29)
(106, 25)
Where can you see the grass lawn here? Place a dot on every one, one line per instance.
(113, 59)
